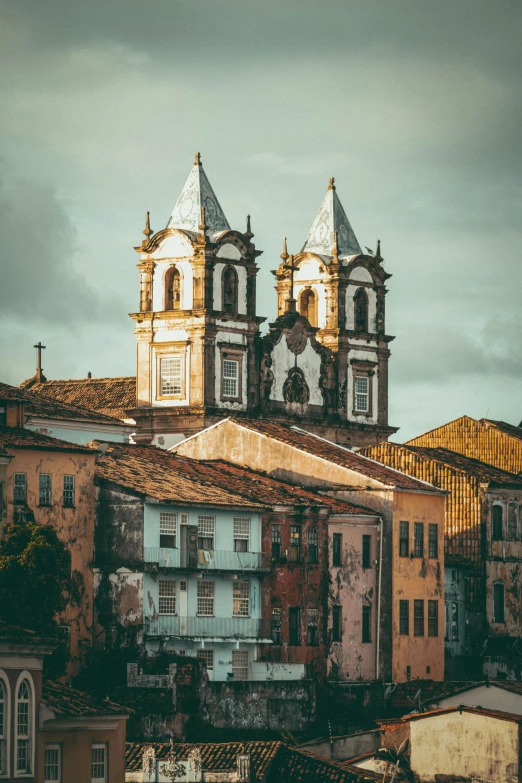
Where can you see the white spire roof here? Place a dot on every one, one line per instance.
(330, 218)
(197, 192)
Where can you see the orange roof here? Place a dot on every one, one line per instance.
(109, 396)
(18, 438)
(498, 714)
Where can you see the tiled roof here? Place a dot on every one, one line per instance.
(13, 634)
(507, 685)
(293, 765)
(509, 716)
(110, 396)
(508, 429)
(18, 438)
(69, 702)
(339, 455)
(475, 467)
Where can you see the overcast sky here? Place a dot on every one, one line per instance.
(413, 105)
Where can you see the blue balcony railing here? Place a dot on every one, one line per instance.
(214, 560)
(206, 627)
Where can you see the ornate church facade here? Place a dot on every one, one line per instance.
(323, 365)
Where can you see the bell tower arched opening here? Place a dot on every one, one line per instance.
(360, 303)
(172, 289)
(230, 289)
(308, 306)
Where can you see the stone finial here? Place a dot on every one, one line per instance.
(331, 185)
(335, 249)
(147, 231)
(89, 375)
(248, 232)
(203, 225)
(197, 159)
(148, 760)
(378, 251)
(284, 254)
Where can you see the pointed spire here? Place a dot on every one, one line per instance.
(284, 254)
(248, 232)
(378, 251)
(147, 231)
(331, 219)
(197, 192)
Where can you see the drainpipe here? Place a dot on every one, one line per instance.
(377, 653)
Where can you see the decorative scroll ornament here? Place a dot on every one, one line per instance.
(172, 769)
(194, 759)
(295, 388)
(148, 760)
(297, 338)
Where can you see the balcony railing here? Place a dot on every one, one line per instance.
(206, 627)
(214, 560)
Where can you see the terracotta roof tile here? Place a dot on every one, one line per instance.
(13, 634)
(509, 716)
(509, 429)
(17, 438)
(69, 702)
(109, 396)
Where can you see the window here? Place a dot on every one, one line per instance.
(452, 621)
(229, 289)
(45, 489)
(240, 664)
(361, 393)
(207, 656)
(418, 618)
(167, 596)
(241, 599)
(404, 539)
(276, 543)
(498, 603)
(206, 532)
(23, 727)
(294, 622)
(99, 763)
(313, 545)
(183, 519)
(360, 315)
(20, 487)
(205, 607)
(418, 539)
(337, 624)
(308, 306)
(171, 376)
(433, 541)
(404, 618)
(366, 551)
(168, 529)
(497, 523)
(366, 624)
(52, 763)
(433, 618)
(337, 540)
(230, 385)
(277, 615)
(312, 629)
(4, 718)
(512, 522)
(172, 289)
(68, 491)
(241, 534)
(295, 544)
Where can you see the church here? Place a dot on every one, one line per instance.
(201, 354)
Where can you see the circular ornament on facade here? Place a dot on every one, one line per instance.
(185, 208)
(297, 338)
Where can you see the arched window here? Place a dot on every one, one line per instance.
(172, 289)
(512, 522)
(497, 523)
(308, 306)
(229, 289)
(4, 723)
(360, 304)
(24, 727)
(498, 603)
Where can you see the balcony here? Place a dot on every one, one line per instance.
(206, 627)
(200, 560)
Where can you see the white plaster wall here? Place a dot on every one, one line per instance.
(174, 246)
(366, 356)
(237, 339)
(372, 306)
(170, 403)
(187, 283)
(308, 274)
(241, 287)
(465, 745)
(229, 251)
(170, 335)
(310, 363)
(167, 440)
(491, 698)
(361, 274)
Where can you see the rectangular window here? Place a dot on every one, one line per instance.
(241, 599)
(512, 522)
(433, 541)
(404, 618)
(171, 376)
(312, 627)
(366, 624)
(277, 615)
(276, 543)
(240, 664)
(361, 393)
(168, 529)
(205, 607)
(337, 540)
(295, 544)
(206, 532)
(99, 763)
(68, 491)
(418, 617)
(294, 622)
(498, 603)
(404, 539)
(167, 596)
(52, 763)
(337, 624)
(45, 489)
(241, 534)
(418, 539)
(433, 618)
(20, 487)
(497, 523)
(313, 545)
(207, 656)
(366, 551)
(230, 378)
(183, 519)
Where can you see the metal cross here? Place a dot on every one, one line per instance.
(39, 348)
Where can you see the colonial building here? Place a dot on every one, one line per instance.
(200, 352)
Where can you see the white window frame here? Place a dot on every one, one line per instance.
(99, 746)
(207, 529)
(242, 532)
(6, 727)
(166, 597)
(359, 395)
(69, 488)
(17, 484)
(25, 675)
(230, 381)
(170, 377)
(206, 655)
(183, 519)
(239, 668)
(206, 597)
(48, 499)
(169, 526)
(241, 598)
(55, 746)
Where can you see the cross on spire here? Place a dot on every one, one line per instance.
(40, 377)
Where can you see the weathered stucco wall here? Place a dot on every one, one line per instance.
(488, 696)
(345, 747)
